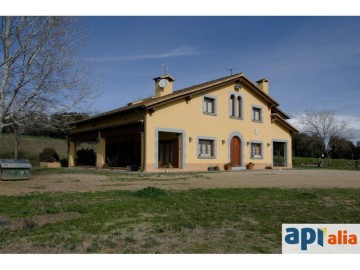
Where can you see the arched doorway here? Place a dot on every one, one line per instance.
(235, 151)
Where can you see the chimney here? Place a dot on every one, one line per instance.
(163, 85)
(263, 84)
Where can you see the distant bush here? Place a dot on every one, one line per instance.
(64, 162)
(85, 157)
(48, 155)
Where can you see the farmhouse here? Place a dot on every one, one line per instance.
(230, 120)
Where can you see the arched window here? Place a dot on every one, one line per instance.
(232, 105)
(239, 107)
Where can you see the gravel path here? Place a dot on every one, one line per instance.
(243, 179)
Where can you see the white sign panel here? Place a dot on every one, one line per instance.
(321, 238)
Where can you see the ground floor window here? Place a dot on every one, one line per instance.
(206, 148)
(256, 150)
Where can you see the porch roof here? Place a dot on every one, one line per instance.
(93, 135)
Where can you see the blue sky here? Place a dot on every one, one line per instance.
(311, 62)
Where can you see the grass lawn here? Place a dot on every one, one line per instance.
(152, 220)
(30, 147)
(346, 164)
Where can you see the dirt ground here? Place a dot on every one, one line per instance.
(175, 181)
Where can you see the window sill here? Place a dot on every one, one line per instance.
(236, 118)
(200, 157)
(211, 114)
(256, 157)
(256, 121)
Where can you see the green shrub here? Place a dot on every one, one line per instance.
(85, 157)
(48, 155)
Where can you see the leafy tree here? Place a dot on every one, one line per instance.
(305, 145)
(341, 148)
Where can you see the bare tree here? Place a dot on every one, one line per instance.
(40, 68)
(17, 130)
(33, 121)
(324, 124)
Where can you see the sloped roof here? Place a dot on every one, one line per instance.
(280, 112)
(152, 102)
(283, 122)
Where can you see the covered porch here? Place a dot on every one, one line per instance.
(120, 147)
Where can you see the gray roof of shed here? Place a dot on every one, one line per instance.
(15, 163)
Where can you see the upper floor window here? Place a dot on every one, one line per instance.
(209, 105)
(256, 114)
(232, 106)
(236, 106)
(239, 102)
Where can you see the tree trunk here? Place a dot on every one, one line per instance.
(328, 158)
(5, 70)
(17, 137)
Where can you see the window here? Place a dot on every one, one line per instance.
(209, 105)
(232, 106)
(235, 106)
(256, 150)
(239, 107)
(206, 148)
(256, 114)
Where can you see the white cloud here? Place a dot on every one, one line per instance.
(353, 132)
(181, 51)
(353, 121)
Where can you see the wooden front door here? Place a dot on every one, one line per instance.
(235, 151)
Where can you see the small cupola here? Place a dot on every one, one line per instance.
(263, 84)
(163, 85)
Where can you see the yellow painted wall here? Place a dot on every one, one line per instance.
(189, 117)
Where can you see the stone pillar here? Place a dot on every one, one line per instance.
(72, 154)
(100, 153)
